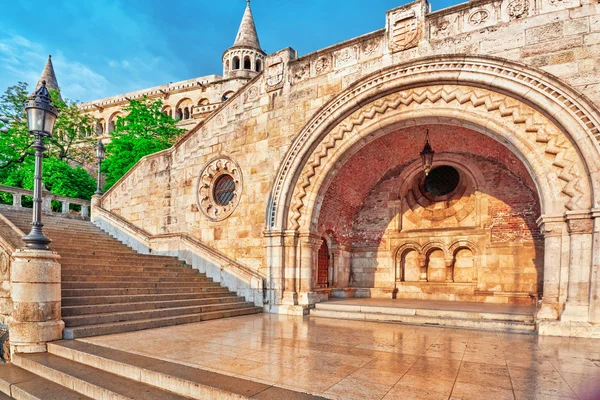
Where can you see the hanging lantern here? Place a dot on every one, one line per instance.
(427, 155)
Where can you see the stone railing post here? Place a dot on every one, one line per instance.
(36, 318)
(84, 211)
(65, 206)
(16, 200)
(552, 227)
(580, 226)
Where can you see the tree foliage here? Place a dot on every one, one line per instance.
(69, 146)
(144, 130)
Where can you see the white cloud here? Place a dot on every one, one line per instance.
(25, 60)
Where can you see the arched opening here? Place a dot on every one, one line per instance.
(323, 265)
(258, 65)
(203, 102)
(247, 63)
(236, 63)
(100, 127)
(186, 113)
(321, 148)
(464, 265)
(227, 95)
(179, 114)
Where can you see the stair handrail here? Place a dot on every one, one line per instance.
(48, 197)
(147, 237)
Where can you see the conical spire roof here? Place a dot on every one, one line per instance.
(49, 76)
(247, 35)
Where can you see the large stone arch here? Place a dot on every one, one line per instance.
(551, 128)
(568, 110)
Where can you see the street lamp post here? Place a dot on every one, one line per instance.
(41, 116)
(100, 155)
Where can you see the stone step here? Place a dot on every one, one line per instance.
(18, 383)
(108, 257)
(138, 284)
(94, 269)
(88, 300)
(128, 326)
(94, 382)
(132, 278)
(94, 319)
(498, 322)
(184, 380)
(143, 272)
(68, 311)
(141, 291)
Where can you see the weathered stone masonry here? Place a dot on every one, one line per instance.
(509, 91)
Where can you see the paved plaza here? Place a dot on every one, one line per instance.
(367, 360)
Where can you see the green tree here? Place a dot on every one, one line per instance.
(144, 130)
(70, 145)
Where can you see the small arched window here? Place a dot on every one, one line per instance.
(99, 128)
(111, 126)
(186, 113)
(247, 63)
(178, 114)
(227, 95)
(258, 65)
(236, 62)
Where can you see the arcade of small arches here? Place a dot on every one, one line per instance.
(247, 60)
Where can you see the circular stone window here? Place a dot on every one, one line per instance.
(442, 181)
(219, 188)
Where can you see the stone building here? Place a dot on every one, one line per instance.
(309, 173)
(193, 100)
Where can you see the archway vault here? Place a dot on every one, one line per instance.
(551, 127)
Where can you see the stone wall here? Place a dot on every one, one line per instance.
(256, 127)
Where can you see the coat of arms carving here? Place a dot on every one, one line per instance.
(404, 30)
(275, 75)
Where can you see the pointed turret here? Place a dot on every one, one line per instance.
(49, 76)
(247, 36)
(245, 58)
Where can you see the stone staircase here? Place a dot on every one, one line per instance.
(481, 316)
(109, 288)
(72, 369)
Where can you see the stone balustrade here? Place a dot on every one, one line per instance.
(47, 198)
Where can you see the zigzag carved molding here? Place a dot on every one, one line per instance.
(546, 136)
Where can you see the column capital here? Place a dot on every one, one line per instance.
(551, 225)
(579, 221)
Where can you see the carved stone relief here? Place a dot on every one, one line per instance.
(517, 9)
(404, 30)
(275, 72)
(345, 57)
(322, 65)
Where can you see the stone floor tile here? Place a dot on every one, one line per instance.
(354, 389)
(424, 384)
(484, 379)
(468, 391)
(585, 386)
(377, 376)
(406, 393)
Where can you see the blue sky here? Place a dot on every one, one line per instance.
(102, 48)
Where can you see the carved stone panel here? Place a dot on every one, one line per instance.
(275, 73)
(404, 30)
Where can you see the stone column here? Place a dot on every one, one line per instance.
(35, 282)
(580, 226)
(309, 247)
(290, 266)
(552, 227)
(595, 279)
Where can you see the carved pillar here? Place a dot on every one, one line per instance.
(275, 263)
(595, 279)
(580, 226)
(552, 227)
(309, 247)
(290, 267)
